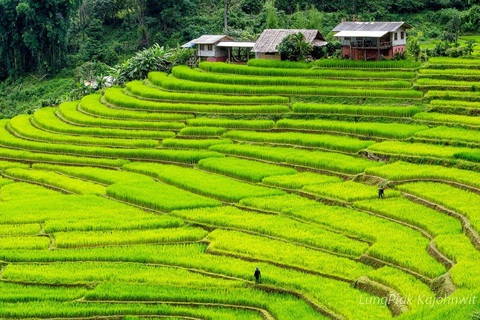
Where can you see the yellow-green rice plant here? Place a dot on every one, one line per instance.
(406, 171)
(23, 242)
(69, 112)
(46, 119)
(139, 89)
(91, 104)
(202, 131)
(186, 73)
(317, 108)
(299, 180)
(400, 208)
(159, 196)
(119, 99)
(57, 180)
(21, 126)
(348, 191)
(316, 159)
(342, 143)
(78, 239)
(275, 226)
(461, 201)
(244, 169)
(104, 176)
(19, 229)
(193, 143)
(390, 130)
(256, 247)
(212, 185)
(231, 124)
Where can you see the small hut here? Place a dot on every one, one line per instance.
(267, 43)
(371, 40)
(215, 48)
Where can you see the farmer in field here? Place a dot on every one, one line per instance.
(381, 192)
(257, 276)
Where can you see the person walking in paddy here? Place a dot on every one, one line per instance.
(257, 276)
(381, 192)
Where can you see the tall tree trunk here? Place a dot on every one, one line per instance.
(225, 11)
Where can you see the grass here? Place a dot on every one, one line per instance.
(207, 184)
(186, 73)
(298, 72)
(451, 106)
(79, 239)
(314, 159)
(23, 190)
(434, 222)
(56, 180)
(392, 130)
(348, 191)
(17, 293)
(91, 104)
(46, 119)
(458, 200)
(299, 180)
(193, 143)
(119, 99)
(172, 83)
(317, 108)
(341, 143)
(159, 196)
(274, 226)
(459, 63)
(244, 169)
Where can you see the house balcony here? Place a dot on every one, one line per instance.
(371, 44)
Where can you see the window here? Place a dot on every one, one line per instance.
(201, 47)
(395, 37)
(270, 53)
(210, 47)
(402, 35)
(346, 38)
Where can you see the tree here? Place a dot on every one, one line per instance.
(413, 47)
(294, 48)
(272, 15)
(470, 45)
(453, 29)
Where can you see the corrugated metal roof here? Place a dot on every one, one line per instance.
(207, 39)
(368, 34)
(371, 26)
(271, 38)
(236, 44)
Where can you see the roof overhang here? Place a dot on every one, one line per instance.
(366, 34)
(236, 44)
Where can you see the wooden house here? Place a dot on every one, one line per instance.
(217, 48)
(267, 43)
(371, 40)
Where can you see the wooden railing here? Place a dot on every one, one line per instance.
(371, 44)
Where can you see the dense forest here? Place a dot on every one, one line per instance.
(50, 38)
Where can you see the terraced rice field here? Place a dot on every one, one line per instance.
(161, 198)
